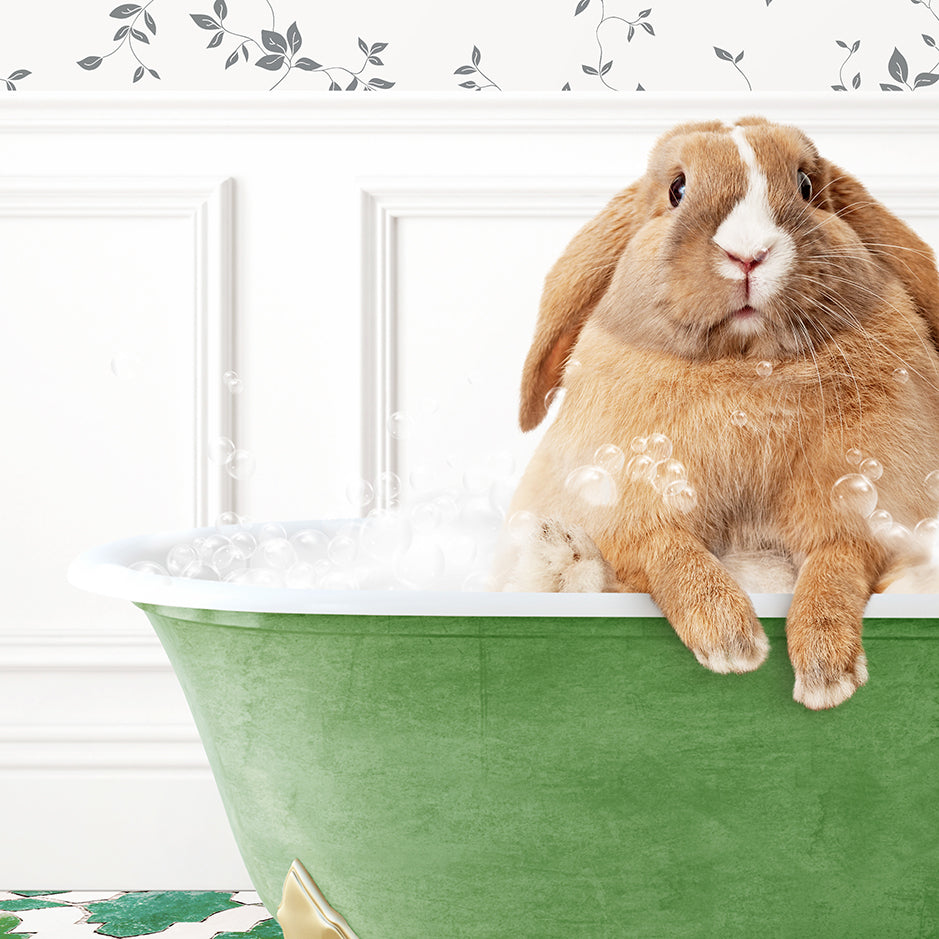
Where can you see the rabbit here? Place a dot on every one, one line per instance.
(748, 305)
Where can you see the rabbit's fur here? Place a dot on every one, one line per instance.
(650, 325)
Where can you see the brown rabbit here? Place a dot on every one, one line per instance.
(748, 306)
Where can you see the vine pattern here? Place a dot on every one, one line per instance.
(474, 69)
(726, 56)
(126, 36)
(278, 50)
(604, 64)
(852, 49)
(15, 76)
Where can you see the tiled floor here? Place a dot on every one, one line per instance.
(175, 914)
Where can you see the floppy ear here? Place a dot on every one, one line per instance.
(572, 289)
(890, 240)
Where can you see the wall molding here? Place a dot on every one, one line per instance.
(455, 112)
(207, 205)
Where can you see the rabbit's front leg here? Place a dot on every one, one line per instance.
(823, 628)
(709, 611)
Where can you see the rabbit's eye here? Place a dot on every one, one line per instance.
(676, 191)
(805, 185)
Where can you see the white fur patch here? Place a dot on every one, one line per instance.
(750, 231)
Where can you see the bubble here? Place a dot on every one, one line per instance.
(477, 581)
(897, 539)
(522, 525)
(389, 487)
(421, 564)
(207, 547)
(638, 444)
(149, 567)
(927, 531)
(228, 520)
(180, 558)
(872, 469)
(932, 485)
(640, 466)
(300, 576)
(244, 543)
(277, 553)
(399, 425)
(448, 507)
(739, 417)
(383, 532)
(659, 447)
(572, 365)
(901, 376)
(342, 550)
(854, 494)
(125, 366)
(680, 495)
(610, 458)
(360, 493)
(425, 516)
(764, 368)
(854, 456)
(227, 558)
(309, 545)
(233, 382)
(271, 530)
(879, 520)
(666, 472)
(593, 484)
(554, 396)
(242, 464)
(263, 577)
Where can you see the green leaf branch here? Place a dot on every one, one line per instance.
(127, 35)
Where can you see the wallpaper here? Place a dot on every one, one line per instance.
(479, 47)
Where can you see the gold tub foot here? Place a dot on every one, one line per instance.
(304, 912)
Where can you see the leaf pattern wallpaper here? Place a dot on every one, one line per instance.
(484, 47)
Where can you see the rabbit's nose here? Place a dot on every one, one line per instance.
(748, 263)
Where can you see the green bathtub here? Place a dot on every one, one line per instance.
(538, 766)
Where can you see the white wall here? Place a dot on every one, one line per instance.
(349, 257)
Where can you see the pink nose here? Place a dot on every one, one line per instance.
(750, 262)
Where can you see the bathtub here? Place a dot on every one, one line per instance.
(536, 766)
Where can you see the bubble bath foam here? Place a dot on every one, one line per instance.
(532, 765)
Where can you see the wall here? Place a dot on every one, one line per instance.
(587, 45)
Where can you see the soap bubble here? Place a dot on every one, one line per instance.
(666, 472)
(927, 531)
(399, 425)
(448, 508)
(342, 550)
(242, 464)
(227, 558)
(640, 466)
(739, 417)
(310, 545)
(425, 516)
(360, 493)
(300, 576)
(659, 447)
(477, 581)
(180, 558)
(271, 530)
(125, 366)
(879, 520)
(227, 520)
(221, 450)
(207, 546)
(854, 494)
(593, 484)
(638, 444)
(383, 532)
(522, 525)
(149, 567)
(901, 376)
(389, 487)
(233, 382)
(244, 543)
(275, 552)
(872, 469)
(897, 539)
(854, 456)
(932, 485)
(680, 495)
(764, 369)
(609, 457)
(421, 564)
(263, 577)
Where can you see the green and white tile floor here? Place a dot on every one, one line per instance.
(170, 914)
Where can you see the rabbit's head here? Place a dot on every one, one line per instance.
(738, 240)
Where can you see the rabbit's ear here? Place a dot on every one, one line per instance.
(889, 239)
(572, 289)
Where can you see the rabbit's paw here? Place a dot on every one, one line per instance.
(559, 558)
(729, 640)
(819, 686)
